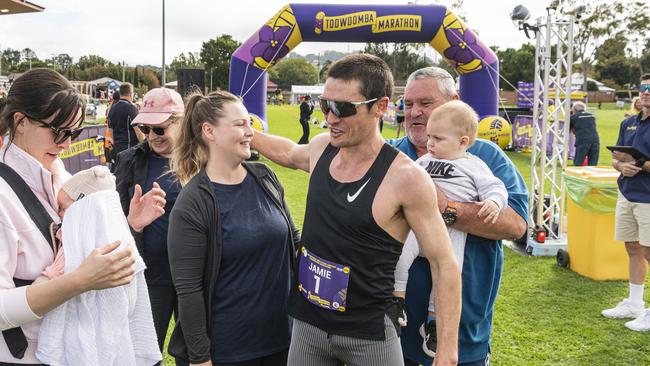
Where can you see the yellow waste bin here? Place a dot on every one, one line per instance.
(591, 207)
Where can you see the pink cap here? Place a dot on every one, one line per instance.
(158, 105)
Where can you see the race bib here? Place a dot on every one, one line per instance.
(322, 282)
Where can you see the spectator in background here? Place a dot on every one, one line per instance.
(633, 210)
(583, 125)
(399, 114)
(120, 117)
(306, 108)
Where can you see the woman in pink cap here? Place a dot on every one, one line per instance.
(147, 165)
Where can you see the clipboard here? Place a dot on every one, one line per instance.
(636, 154)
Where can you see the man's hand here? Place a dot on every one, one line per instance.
(145, 209)
(622, 157)
(628, 169)
(489, 211)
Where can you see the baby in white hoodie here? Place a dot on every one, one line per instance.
(106, 327)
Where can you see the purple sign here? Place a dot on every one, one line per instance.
(323, 283)
(476, 63)
(522, 135)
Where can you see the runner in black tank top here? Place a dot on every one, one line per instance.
(339, 227)
(342, 301)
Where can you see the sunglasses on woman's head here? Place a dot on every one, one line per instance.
(342, 109)
(60, 134)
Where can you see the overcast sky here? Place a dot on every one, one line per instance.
(132, 30)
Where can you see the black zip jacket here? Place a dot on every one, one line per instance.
(194, 243)
(130, 168)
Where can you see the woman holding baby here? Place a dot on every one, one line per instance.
(38, 119)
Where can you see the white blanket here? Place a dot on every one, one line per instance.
(105, 327)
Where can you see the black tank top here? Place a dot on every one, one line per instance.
(339, 227)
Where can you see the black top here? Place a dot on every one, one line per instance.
(254, 278)
(155, 234)
(131, 167)
(120, 117)
(583, 125)
(195, 245)
(339, 227)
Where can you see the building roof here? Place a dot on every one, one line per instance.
(307, 89)
(9, 7)
(105, 81)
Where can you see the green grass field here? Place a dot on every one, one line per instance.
(544, 315)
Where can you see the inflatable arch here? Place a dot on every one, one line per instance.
(477, 65)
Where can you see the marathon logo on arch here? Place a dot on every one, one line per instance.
(387, 23)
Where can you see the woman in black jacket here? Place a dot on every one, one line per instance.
(231, 242)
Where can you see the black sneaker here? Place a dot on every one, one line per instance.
(401, 316)
(430, 340)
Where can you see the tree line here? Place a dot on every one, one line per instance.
(612, 44)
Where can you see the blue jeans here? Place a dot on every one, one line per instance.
(591, 151)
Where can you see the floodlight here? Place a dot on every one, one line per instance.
(519, 14)
(578, 11)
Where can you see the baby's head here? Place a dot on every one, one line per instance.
(85, 182)
(451, 130)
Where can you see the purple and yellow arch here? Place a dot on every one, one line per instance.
(477, 65)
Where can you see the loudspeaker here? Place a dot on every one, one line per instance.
(190, 80)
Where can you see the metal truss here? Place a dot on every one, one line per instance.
(550, 137)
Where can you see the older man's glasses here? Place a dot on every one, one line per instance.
(60, 134)
(644, 88)
(342, 109)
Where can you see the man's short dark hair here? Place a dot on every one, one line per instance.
(126, 89)
(371, 71)
(645, 77)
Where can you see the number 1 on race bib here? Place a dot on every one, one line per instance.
(317, 284)
(321, 282)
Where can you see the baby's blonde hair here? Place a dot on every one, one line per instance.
(463, 119)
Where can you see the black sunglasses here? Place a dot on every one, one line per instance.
(644, 88)
(342, 109)
(157, 130)
(60, 134)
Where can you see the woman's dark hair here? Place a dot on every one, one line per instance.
(40, 94)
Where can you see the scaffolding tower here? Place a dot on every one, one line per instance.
(550, 133)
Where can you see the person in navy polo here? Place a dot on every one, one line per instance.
(633, 209)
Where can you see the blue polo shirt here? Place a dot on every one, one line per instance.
(635, 132)
(481, 274)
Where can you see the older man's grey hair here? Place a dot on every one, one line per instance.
(579, 107)
(445, 81)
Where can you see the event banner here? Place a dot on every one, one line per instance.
(476, 63)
